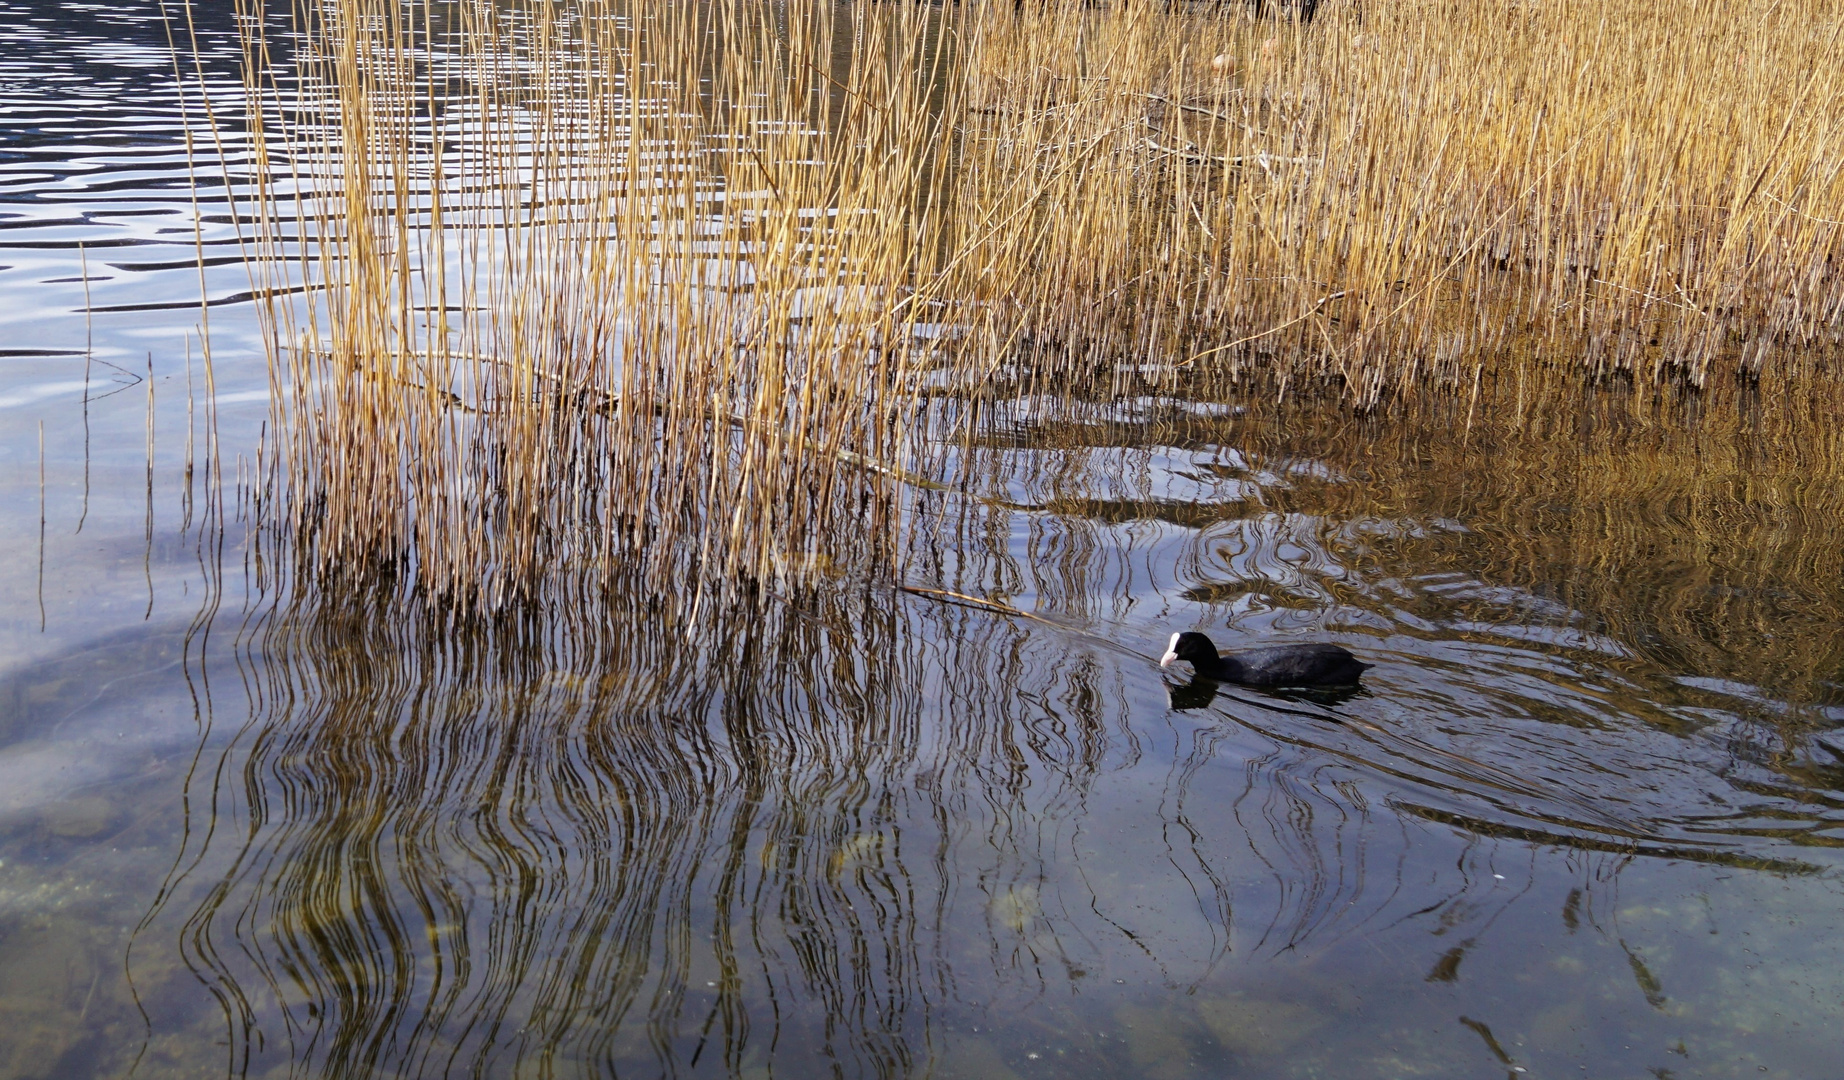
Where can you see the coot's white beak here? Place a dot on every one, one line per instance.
(1171, 652)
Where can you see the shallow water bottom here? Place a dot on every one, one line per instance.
(1581, 820)
(511, 876)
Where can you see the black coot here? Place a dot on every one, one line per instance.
(1280, 665)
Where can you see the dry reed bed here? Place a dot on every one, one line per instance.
(672, 284)
(1420, 189)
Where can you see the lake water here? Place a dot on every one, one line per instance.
(1583, 819)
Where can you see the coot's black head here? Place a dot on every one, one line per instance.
(1193, 648)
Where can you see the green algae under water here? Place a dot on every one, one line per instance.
(1583, 819)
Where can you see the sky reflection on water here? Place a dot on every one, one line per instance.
(1583, 819)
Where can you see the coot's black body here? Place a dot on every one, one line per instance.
(1279, 665)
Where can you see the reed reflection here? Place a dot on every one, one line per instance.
(614, 837)
(1570, 656)
(839, 826)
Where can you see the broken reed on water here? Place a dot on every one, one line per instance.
(695, 288)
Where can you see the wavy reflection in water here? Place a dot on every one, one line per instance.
(1566, 655)
(634, 842)
(856, 832)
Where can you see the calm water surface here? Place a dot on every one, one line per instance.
(1583, 819)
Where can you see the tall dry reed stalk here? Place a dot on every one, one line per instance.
(593, 284)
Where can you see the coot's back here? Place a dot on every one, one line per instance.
(1297, 665)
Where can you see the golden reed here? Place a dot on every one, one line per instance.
(579, 287)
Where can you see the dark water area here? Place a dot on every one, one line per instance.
(1583, 818)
